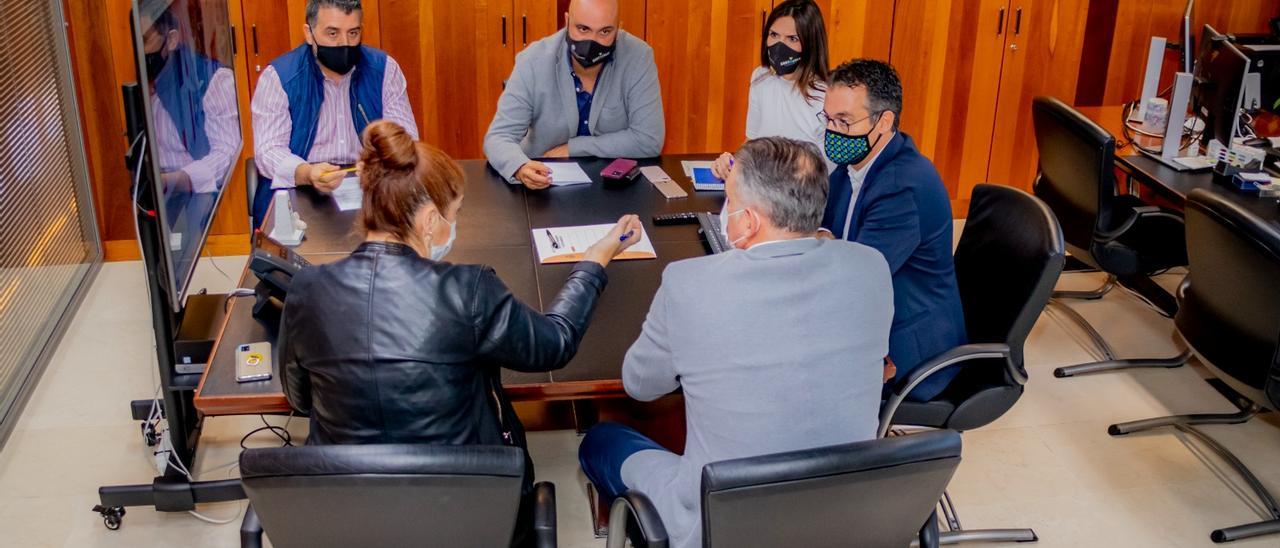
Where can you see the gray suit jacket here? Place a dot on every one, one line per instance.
(778, 348)
(538, 109)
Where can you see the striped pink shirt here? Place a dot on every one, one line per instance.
(221, 125)
(336, 140)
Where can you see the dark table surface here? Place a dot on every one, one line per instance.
(494, 229)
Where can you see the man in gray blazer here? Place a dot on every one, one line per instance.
(589, 90)
(779, 344)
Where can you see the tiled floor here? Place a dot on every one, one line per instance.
(1048, 464)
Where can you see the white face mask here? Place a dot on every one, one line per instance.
(439, 251)
(724, 223)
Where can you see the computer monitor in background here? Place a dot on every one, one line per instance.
(183, 54)
(1219, 86)
(1188, 39)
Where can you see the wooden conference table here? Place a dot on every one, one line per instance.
(1170, 185)
(494, 229)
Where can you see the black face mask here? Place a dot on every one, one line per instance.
(340, 59)
(783, 59)
(589, 53)
(155, 64)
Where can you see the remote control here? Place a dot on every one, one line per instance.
(669, 219)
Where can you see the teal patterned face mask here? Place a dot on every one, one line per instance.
(847, 149)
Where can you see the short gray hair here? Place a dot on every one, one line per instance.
(786, 179)
(313, 7)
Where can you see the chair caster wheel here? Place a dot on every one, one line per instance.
(111, 517)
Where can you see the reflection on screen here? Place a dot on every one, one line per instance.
(195, 120)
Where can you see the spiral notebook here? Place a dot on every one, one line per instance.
(568, 244)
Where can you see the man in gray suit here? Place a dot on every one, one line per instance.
(589, 90)
(779, 344)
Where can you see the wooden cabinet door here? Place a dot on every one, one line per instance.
(456, 56)
(1041, 58)
(949, 56)
(705, 52)
(268, 29)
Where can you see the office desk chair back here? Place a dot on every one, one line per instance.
(1107, 230)
(874, 493)
(1007, 262)
(1229, 314)
(388, 495)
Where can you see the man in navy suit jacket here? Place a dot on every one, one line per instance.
(888, 196)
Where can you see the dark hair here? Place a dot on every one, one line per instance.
(398, 176)
(884, 88)
(313, 8)
(785, 178)
(813, 40)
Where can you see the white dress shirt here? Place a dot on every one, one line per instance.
(221, 125)
(336, 141)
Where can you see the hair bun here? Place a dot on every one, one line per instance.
(388, 145)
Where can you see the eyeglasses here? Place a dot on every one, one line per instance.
(841, 125)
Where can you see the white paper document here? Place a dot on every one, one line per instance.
(567, 173)
(348, 195)
(568, 244)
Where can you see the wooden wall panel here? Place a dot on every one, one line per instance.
(949, 56)
(858, 28)
(1135, 22)
(101, 117)
(455, 80)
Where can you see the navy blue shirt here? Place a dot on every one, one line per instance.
(584, 99)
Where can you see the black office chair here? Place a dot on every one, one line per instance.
(251, 192)
(1115, 233)
(1009, 258)
(871, 493)
(389, 495)
(1229, 314)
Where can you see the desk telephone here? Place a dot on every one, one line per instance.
(275, 276)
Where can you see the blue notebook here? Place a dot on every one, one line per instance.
(703, 179)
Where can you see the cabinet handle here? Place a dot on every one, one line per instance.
(234, 47)
(1017, 22)
(524, 29)
(254, 29)
(504, 31)
(1000, 23)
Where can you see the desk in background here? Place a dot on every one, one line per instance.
(1169, 184)
(494, 229)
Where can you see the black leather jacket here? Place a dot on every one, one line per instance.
(388, 347)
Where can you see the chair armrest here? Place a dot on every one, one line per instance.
(633, 516)
(955, 356)
(1139, 213)
(544, 514)
(250, 529)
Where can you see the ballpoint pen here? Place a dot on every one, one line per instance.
(552, 237)
(624, 237)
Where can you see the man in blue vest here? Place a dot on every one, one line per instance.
(312, 104)
(886, 195)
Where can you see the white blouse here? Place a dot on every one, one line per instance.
(777, 109)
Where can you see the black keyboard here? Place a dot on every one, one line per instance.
(710, 229)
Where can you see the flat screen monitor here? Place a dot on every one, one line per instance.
(1219, 85)
(192, 113)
